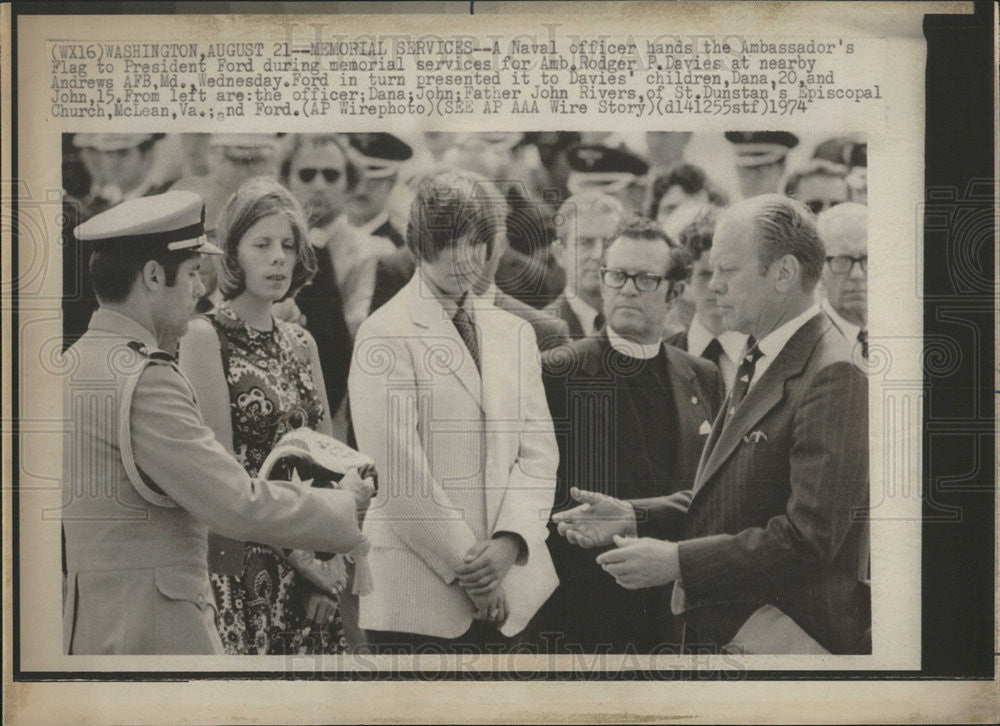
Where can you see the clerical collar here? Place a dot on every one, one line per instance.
(642, 351)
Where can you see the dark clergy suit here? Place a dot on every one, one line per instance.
(320, 301)
(392, 272)
(777, 513)
(628, 428)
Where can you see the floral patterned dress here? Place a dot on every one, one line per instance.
(271, 392)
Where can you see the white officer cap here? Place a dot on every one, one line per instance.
(172, 222)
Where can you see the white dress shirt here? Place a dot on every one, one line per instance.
(850, 330)
(734, 345)
(774, 342)
(584, 313)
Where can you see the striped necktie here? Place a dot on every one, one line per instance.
(467, 329)
(744, 374)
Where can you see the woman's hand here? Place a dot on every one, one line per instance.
(362, 489)
(320, 608)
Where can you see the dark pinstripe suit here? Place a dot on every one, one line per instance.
(778, 517)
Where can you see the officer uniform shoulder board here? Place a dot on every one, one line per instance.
(145, 486)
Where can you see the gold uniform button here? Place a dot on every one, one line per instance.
(694, 400)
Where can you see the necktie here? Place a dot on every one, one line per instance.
(467, 329)
(712, 351)
(863, 339)
(745, 374)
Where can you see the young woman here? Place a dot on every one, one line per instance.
(256, 378)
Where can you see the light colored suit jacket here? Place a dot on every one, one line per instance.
(144, 479)
(460, 457)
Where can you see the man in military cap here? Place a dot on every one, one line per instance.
(144, 478)
(617, 172)
(378, 158)
(760, 159)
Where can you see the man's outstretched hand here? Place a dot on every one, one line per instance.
(596, 521)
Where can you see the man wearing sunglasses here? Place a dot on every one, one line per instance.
(844, 232)
(631, 417)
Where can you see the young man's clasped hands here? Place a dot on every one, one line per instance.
(486, 565)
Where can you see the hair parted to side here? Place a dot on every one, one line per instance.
(691, 179)
(256, 199)
(636, 226)
(114, 272)
(451, 205)
(785, 226)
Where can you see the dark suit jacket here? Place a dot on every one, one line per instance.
(392, 272)
(561, 309)
(321, 303)
(778, 510)
(600, 437)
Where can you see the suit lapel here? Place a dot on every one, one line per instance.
(692, 407)
(445, 347)
(728, 431)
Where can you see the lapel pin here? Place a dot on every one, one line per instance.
(755, 437)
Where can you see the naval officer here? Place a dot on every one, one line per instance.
(144, 478)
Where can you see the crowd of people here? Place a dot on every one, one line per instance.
(613, 403)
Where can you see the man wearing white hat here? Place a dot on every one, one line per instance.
(144, 478)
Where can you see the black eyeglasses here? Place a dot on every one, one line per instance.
(307, 174)
(843, 264)
(643, 281)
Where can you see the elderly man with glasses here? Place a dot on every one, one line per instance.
(631, 417)
(844, 232)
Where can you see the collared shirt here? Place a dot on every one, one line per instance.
(733, 344)
(850, 330)
(643, 351)
(584, 313)
(774, 342)
(449, 303)
(111, 321)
